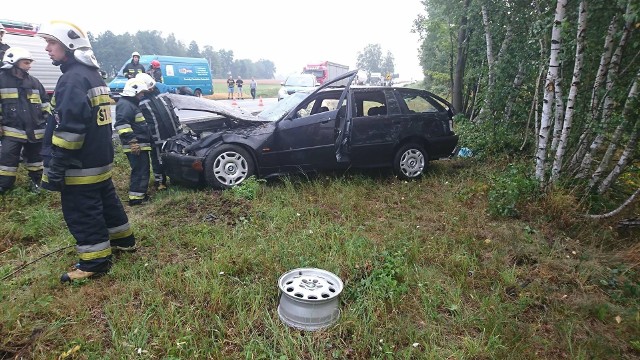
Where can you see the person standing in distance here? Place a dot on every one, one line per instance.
(230, 84)
(24, 108)
(134, 67)
(78, 153)
(3, 47)
(253, 86)
(239, 85)
(135, 138)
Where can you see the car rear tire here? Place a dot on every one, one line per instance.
(197, 93)
(228, 166)
(410, 161)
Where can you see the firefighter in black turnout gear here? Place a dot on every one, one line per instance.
(135, 138)
(24, 106)
(134, 67)
(78, 153)
(163, 123)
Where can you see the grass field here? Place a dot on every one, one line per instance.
(267, 88)
(429, 273)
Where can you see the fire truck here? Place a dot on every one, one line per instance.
(23, 34)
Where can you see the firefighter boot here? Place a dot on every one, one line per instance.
(118, 249)
(34, 187)
(78, 274)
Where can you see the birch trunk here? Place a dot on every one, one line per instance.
(490, 62)
(616, 211)
(517, 83)
(573, 93)
(461, 60)
(552, 75)
(624, 160)
(605, 58)
(612, 74)
(558, 114)
(617, 135)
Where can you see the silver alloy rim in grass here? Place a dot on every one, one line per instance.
(309, 298)
(230, 168)
(412, 163)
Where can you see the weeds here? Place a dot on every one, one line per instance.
(468, 262)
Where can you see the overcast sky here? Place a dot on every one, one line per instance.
(291, 33)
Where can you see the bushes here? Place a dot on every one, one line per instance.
(509, 189)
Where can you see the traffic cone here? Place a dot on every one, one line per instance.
(260, 102)
(234, 102)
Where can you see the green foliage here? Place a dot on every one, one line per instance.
(510, 189)
(248, 189)
(387, 281)
(489, 138)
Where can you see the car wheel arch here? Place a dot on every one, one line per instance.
(254, 170)
(413, 147)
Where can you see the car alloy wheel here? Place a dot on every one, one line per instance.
(410, 161)
(228, 166)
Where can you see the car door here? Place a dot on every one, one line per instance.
(304, 140)
(376, 126)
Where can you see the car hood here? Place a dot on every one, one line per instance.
(212, 116)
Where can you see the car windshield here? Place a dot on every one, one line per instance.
(299, 81)
(277, 111)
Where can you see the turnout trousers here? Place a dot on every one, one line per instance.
(10, 159)
(159, 176)
(140, 174)
(97, 220)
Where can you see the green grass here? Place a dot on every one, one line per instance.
(429, 272)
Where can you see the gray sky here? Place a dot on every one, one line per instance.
(291, 33)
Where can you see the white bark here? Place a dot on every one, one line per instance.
(549, 92)
(616, 211)
(623, 161)
(573, 93)
(517, 83)
(605, 58)
(558, 114)
(612, 73)
(617, 135)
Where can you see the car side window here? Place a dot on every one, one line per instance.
(370, 103)
(417, 103)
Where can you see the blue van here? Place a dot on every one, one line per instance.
(177, 72)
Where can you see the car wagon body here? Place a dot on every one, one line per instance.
(327, 129)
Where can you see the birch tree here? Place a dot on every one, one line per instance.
(549, 90)
(573, 93)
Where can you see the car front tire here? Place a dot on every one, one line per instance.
(410, 161)
(228, 166)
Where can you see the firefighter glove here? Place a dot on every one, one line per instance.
(134, 147)
(55, 174)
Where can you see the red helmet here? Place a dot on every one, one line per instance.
(155, 64)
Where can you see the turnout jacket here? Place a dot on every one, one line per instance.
(131, 70)
(161, 119)
(131, 124)
(24, 107)
(79, 131)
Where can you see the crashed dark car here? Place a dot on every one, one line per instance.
(337, 126)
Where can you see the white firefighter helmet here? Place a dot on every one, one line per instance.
(135, 53)
(147, 79)
(15, 54)
(73, 39)
(134, 86)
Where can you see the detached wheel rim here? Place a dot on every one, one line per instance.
(230, 168)
(412, 163)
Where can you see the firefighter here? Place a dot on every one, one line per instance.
(134, 67)
(24, 107)
(78, 153)
(135, 138)
(155, 71)
(163, 123)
